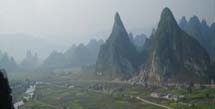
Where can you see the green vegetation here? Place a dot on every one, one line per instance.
(56, 93)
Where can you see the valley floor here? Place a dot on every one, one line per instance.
(73, 91)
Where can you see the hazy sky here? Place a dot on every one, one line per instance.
(70, 21)
(81, 19)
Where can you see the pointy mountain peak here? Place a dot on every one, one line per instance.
(183, 19)
(118, 31)
(194, 20)
(168, 51)
(183, 22)
(117, 17)
(117, 56)
(167, 14)
(167, 20)
(213, 25)
(166, 11)
(118, 21)
(204, 22)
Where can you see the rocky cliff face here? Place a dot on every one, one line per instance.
(173, 55)
(118, 56)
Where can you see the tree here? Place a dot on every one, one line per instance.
(207, 95)
(190, 86)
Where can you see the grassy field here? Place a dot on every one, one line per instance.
(50, 96)
(55, 93)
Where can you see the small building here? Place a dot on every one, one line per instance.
(155, 95)
(18, 104)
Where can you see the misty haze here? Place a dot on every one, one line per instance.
(107, 54)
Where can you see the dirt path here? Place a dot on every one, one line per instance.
(149, 102)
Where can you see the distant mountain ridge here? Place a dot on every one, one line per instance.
(7, 62)
(83, 55)
(169, 55)
(30, 62)
(16, 44)
(76, 56)
(201, 31)
(138, 40)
